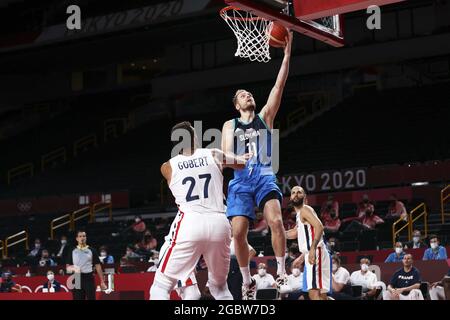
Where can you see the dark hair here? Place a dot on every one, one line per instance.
(185, 125)
(79, 231)
(103, 248)
(433, 236)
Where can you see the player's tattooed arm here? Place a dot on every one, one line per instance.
(269, 111)
(308, 215)
(166, 171)
(292, 234)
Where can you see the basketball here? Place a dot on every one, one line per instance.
(278, 35)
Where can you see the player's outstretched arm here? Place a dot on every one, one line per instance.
(166, 171)
(230, 160)
(269, 111)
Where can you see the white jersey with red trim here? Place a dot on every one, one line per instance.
(305, 233)
(196, 183)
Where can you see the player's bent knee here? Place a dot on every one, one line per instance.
(276, 225)
(162, 286)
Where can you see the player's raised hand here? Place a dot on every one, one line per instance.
(287, 48)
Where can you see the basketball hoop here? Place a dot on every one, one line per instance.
(252, 33)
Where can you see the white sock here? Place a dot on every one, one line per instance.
(281, 266)
(246, 277)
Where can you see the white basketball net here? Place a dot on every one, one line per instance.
(252, 34)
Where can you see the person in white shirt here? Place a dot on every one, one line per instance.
(340, 278)
(293, 288)
(263, 279)
(365, 278)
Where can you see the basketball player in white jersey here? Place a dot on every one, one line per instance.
(309, 231)
(200, 227)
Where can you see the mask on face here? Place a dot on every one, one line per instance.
(398, 250)
(416, 239)
(335, 267)
(296, 272)
(103, 254)
(433, 245)
(50, 277)
(364, 267)
(262, 272)
(63, 242)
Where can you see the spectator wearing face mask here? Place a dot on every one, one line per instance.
(397, 255)
(293, 288)
(61, 253)
(130, 254)
(45, 260)
(365, 278)
(405, 283)
(396, 209)
(34, 255)
(105, 258)
(51, 285)
(263, 279)
(340, 278)
(416, 242)
(37, 249)
(7, 285)
(435, 251)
